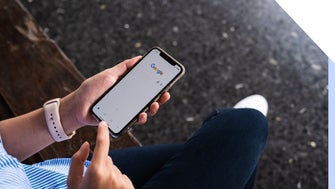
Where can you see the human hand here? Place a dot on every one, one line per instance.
(101, 173)
(91, 89)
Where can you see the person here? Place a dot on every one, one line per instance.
(223, 153)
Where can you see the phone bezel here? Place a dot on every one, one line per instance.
(133, 120)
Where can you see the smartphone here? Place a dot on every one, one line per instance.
(143, 84)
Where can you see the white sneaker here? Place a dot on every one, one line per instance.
(256, 101)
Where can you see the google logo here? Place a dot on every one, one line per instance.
(158, 71)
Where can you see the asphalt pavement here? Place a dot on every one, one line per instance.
(231, 49)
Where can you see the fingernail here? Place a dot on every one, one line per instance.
(103, 123)
(82, 146)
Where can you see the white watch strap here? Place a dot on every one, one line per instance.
(52, 118)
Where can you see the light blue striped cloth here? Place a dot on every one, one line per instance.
(48, 174)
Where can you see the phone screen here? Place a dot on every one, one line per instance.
(121, 105)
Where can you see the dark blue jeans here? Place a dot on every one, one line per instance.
(223, 153)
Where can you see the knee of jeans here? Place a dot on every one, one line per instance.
(245, 122)
(255, 122)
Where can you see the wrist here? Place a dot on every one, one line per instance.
(68, 114)
(52, 117)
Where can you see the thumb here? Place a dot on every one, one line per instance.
(77, 166)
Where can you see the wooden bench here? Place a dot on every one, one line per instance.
(33, 70)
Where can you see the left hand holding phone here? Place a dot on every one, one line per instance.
(92, 88)
(101, 173)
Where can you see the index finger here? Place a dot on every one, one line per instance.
(102, 144)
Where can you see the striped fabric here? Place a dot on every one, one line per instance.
(48, 174)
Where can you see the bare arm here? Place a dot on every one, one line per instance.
(27, 134)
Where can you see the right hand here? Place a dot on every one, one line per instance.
(101, 173)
